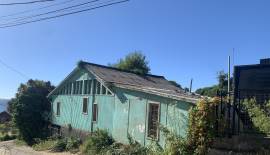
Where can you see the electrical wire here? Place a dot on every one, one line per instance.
(23, 3)
(61, 15)
(14, 70)
(50, 12)
(32, 10)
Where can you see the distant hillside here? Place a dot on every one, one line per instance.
(3, 104)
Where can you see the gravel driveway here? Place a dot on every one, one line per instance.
(10, 148)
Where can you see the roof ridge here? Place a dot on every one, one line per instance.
(121, 70)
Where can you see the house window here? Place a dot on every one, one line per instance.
(85, 105)
(153, 120)
(58, 108)
(95, 112)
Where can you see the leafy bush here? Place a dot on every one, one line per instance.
(258, 116)
(175, 144)
(7, 137)
(59, 146)
(97, 142)
(133, 148)
(201, 131)
(73, 145)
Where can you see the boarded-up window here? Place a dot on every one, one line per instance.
(85, 105)
(95, 112)
(153, 120)
(58, 108)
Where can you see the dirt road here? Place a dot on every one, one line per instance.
(9, 148)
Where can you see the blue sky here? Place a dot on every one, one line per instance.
(182, 39)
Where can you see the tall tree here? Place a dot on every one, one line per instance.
(222, 85)
(30, 109)
(135, 62)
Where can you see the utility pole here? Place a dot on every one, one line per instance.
(190, 87)
(229, 74)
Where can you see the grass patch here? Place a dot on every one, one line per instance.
(58, 145)
(44, 145)
(19, 142)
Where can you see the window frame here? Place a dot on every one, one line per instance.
(95, 115)
(58, 111)
(148, 121)
(87, 103)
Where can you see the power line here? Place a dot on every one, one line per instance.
(50, 12)
(31, 10)
(23, 3)
(61, 15)
(14, 70)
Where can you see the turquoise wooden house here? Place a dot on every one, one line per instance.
(95, 97)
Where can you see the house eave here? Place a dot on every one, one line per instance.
(156, 92)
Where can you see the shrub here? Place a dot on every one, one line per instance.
(59, 146)
(7, 137)
(201, 131)
(97, 142)
(45, 145)
(133, 148)
(73, 145)
(258, 116)
(175, 144)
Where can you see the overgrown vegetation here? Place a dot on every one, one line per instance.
(201, 126)
(222, 85)
(58, 145)
(199, 137)
(97, 142)
(30, 110)
(258, 115)
(8, 131)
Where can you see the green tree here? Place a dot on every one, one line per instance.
(222, 85)
(30, 109)
(135, 62)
